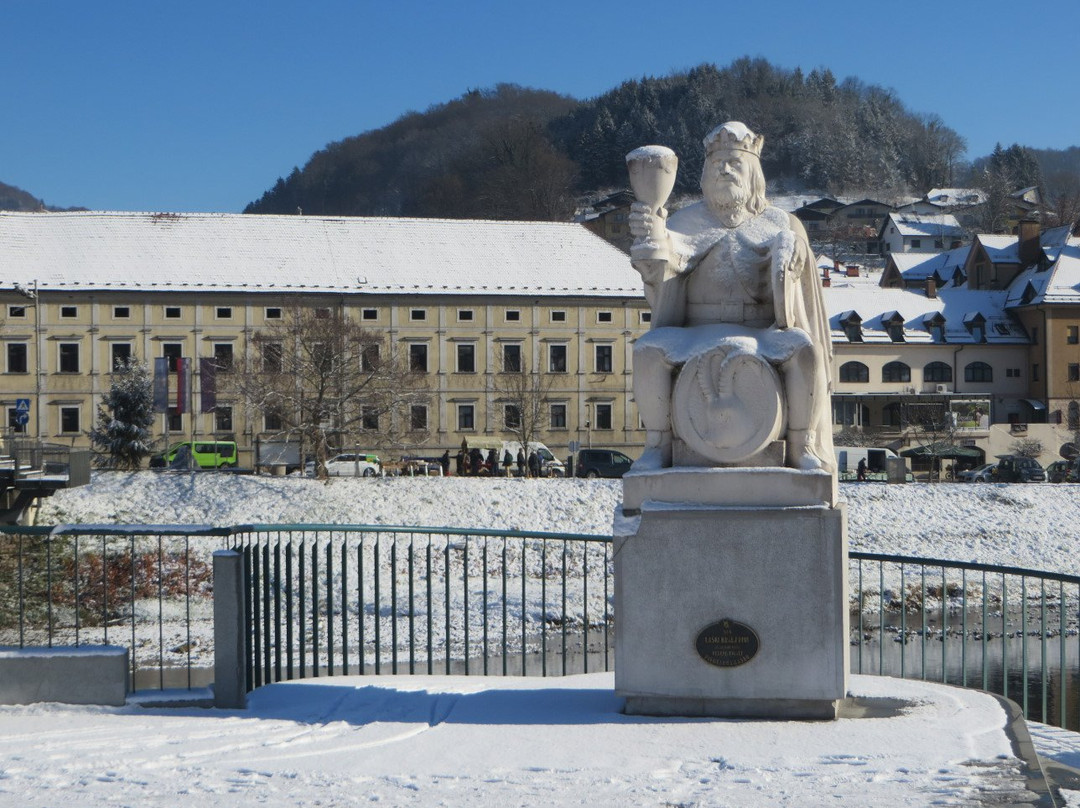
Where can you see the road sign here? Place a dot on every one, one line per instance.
(22, 405)
(21, 418)
(574, 446)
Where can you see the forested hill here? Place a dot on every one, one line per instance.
(12, 198)
(520, 153)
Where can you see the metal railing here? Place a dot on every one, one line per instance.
(330, 599)
(997, 628)
(378, 599)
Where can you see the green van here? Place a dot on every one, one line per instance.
(206, 454)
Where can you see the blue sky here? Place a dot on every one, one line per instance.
(201, 106)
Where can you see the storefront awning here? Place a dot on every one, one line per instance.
(946, 450)
(1034, 403)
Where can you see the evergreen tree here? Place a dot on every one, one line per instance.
(122, 437)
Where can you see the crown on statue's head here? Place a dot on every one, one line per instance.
(734, 136)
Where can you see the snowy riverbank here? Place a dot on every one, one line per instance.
(1022, 525)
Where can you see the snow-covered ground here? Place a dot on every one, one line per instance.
(494, 741)
(1019, 525)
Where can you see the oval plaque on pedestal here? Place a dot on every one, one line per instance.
(727, 644)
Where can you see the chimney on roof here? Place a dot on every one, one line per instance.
(852, 270)
(931, 288)
(826, 281)
(1029, 242)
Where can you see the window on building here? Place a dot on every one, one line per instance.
(978, 372)
(895, 330)
(513, 316)
(369, 418)
(272, 313)
(937, 372)
(466, 417)
(273, 422)
(223, 356)
(418, 357)
(603, 317)
(557, 359)
(119, 354)
(916, 243)
(418, 417)
(1072, 334)
(322, 313)
(558, 416)
(646, 317)
(558, 316)
(854, 373)
(272, 357)
(175, 421)
(466, 357)
(370, 358)
(1074, 372)
(16, 311)
(937, 332)
(17, 353)
(895, 372)
(121, 312)
(417, 315)
(892, 415)
(13, 422)
(369, 314)
(1012, 373)
(69, 420)
(465, 315)
(172, 312)
(511, 416)
(511, 358)
(223, 312)
(223, 419)
(69, 357)
(1073, 416)
(68, 312)
(603, 416)
(172, 351)
(604, 355)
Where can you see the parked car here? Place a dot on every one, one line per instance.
(1073, 474)
(349, 464)
(979, 474)
(601, 463)
(1058, 470)
(1017, 469)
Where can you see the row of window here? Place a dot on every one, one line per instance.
(416, 315)
(858, 373)
(68, 357)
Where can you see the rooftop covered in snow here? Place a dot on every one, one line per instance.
(250, 253)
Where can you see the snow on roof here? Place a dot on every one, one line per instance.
(955, 196)
(874, 304)
(1001, 249)
(924, 224)
(920, 266)
(242, 252)
(1060, 283)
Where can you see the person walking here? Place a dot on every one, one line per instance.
(444, 461)
(860, 471)
(521, 462)
(508, 461)
(493, 462)
(534, 464)
(476, 461)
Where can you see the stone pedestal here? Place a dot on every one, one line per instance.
(760, 590)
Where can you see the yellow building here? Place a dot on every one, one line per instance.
(83, 290)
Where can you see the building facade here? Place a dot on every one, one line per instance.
(464, 301)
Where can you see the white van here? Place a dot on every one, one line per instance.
(550, 465)
(848, 457)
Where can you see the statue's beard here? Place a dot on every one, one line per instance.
(726, 198)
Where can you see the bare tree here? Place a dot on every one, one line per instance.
(525, 398)
(321, 377)
(1026, 447)
(934, 426)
